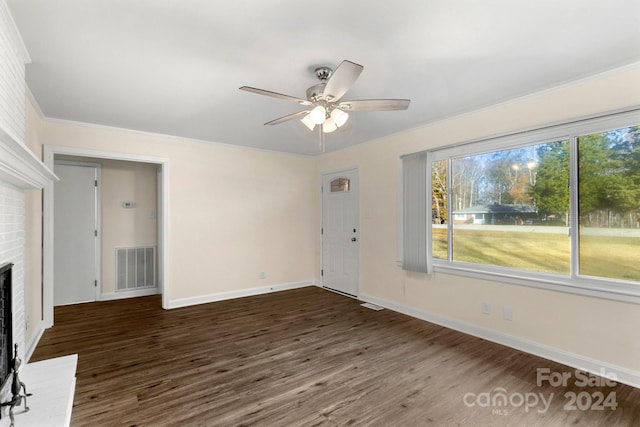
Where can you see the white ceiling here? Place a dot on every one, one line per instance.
(174, 66)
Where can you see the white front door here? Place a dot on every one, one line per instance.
(75, 230)
(340, 231)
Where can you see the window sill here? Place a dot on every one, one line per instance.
(584, 286)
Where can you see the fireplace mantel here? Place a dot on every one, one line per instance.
(19, 166)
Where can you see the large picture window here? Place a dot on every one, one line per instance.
(560, 206)
(510, 208)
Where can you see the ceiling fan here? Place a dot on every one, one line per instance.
(324, 100)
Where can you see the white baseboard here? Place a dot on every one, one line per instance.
(203, 299)
(596, 367)
(128, 294)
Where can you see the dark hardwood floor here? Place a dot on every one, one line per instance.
(306, 357)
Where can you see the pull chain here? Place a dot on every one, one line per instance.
(321, 138)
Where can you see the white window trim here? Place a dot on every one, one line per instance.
(617, 290)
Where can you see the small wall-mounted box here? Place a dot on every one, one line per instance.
(128, 205)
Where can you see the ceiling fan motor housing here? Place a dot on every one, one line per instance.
(315, 92)
(323, 73)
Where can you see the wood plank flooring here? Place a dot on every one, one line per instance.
(305, 357)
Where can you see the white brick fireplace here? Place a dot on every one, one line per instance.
(12, 251)
(20, 171)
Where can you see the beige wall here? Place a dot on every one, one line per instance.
(33, 231)
(233, 212)
(137, 226)
(593, 328)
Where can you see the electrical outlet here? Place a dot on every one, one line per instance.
(262, 275)
(507, 313)
(486, 308)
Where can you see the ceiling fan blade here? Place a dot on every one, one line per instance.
(374, 105)
(341, 80)
(275, 95)
(287, 118)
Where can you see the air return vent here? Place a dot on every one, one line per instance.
(135, 268)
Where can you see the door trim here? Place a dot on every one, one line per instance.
(98, 220)
(49, 151)
(322, 175)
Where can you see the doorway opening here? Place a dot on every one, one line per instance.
(156, 214)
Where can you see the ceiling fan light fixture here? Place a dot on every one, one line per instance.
(306, 120)
(318, 115)
(329, 125)
(339, 117)
(324, 105)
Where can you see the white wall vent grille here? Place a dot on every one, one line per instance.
(135, 268)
